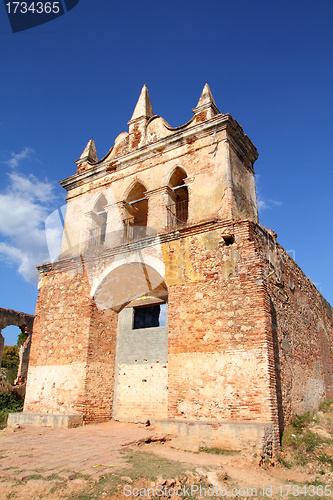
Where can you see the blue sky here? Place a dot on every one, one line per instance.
(268, 64)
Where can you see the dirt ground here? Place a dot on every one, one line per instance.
(117, 461)
(229, 476)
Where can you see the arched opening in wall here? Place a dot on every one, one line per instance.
(128, 281)
(138, 292)
(11, 335)
(136, 219)
(99, 220)
(178, 199)
(142, 359)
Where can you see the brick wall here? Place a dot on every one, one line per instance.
(249, 337)
(302, 324)
(100, 374)
(71, 366)
(219, 334)
(60, 341)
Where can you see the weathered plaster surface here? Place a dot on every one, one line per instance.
(55, 388)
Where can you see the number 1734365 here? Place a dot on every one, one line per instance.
(33, 7)
(310, 490)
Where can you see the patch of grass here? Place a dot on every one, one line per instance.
(311, 441)
(9, 403)
(218, 451)
(306, 441)
(143, 467)
(86, 495)
(34, 477)
(299, 422)
(150, 466)
(57, 487)
(308, 493)
(302, 444)
(316, 482)
(284, 462)
(324, 459)
(326, 406)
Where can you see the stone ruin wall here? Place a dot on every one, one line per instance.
(24, 321)
(71, 367)
(302, 323)
(242, 345)
(218, 337)
(249, 336)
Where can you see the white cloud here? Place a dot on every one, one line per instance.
(17, 257)
(24, 206)
(261, 203)
(264, 204)
(31, 186)
(16, 158)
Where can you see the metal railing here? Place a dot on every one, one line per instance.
(135, 228)
(177, 214)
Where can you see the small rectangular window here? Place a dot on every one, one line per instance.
(149, 316)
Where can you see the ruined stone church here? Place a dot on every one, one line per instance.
(169, 301)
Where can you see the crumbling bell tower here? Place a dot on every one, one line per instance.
(169, 301)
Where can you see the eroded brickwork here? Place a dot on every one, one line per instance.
(58, 354)
(72, 359)
(218, 333)
(302, 325)
(99, 382)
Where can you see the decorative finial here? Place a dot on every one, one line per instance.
(143, 108)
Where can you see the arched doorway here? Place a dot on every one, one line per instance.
(137, 290)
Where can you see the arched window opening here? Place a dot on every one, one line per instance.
(178, 206)
(136, 219)
(99, 220)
